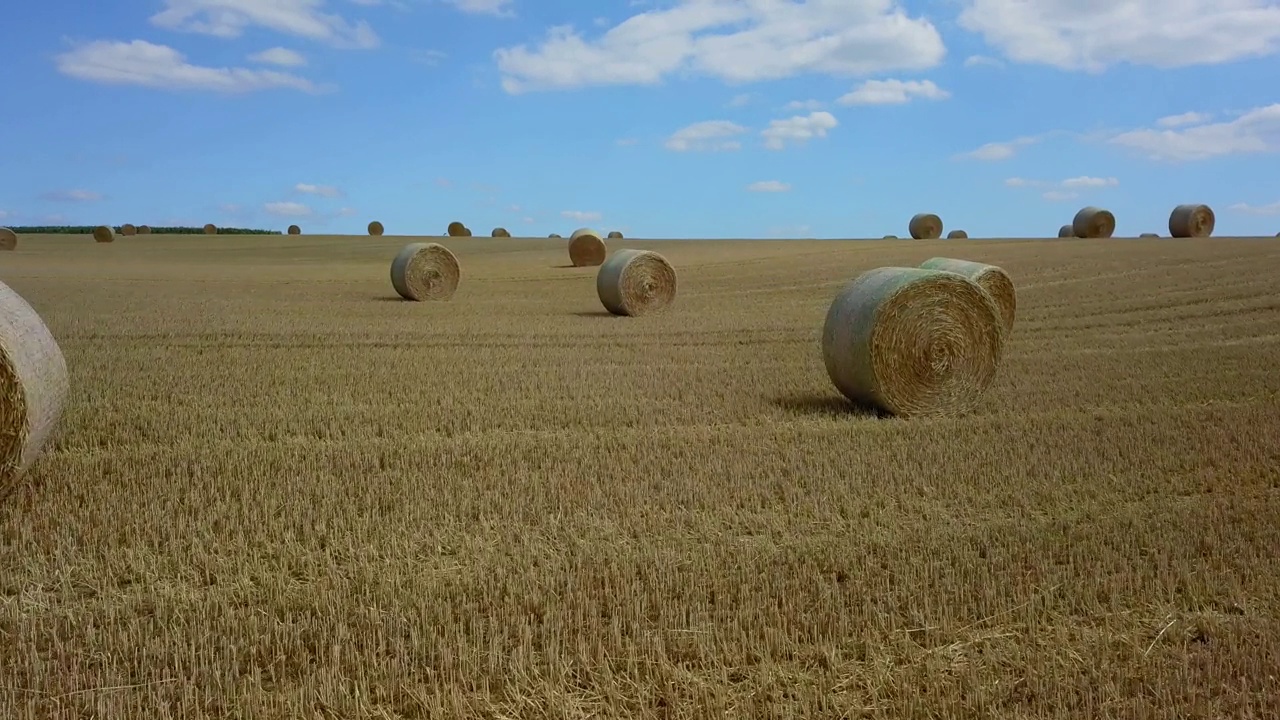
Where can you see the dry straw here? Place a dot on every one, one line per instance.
(375, 228)
(615, 235)
(1093, 223)
(128, 230)
(8, 239)
(957, 235)
(425, 271)
(1066, 231)
(500, 232)
(911, 341)
(144, 230)
(295, 230)
(103, 234)
(925, 226)
(210, 229)
(33, 386)
(991, 278)
(586, 249)
(457, 229)
(636, 282)
(1191, 221)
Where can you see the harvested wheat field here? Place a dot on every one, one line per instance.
(280, 492)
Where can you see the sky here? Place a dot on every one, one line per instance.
(658, 118)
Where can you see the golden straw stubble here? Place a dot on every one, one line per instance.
(1191, 221)
(8, 239)
(925, 226)
(103, 234)
(1093, 223)
(586, 249)
(991, 278)
(636, 282)
(425, 271)
(913, 342)
(33, 386)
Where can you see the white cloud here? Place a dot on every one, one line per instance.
(328, 191)
(1079, 35)
(730, 40)
(158, 66)
(1186, 118)
(1256, 131)
(287, 209)
(1059, 195)
(580, 215)
(1268, 209)
(74, 196)
(1085, 181)
(1063, 189)
(230, 18)
(708, 135)
(804, 105)
(346, 212)
(497, 8)
(797, 129)
(977, 60)
(1022, 182)
(769, 186)
(993, 151)
(893, 92)
(279, 56)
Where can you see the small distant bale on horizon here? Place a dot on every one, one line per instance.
(1093, 223)
(957, 235)
(457, 229)
(636, 282)
(586, 248)
(128, 230)
(889, 237)
(500, 232)
(8, 239)
(210, 229)
(554, 235)
(925, 226)
(1149, 235)
(375, 228)
(103, 234)
(425, 271)
(1066, 231)
(295, 230)
(615, 235)
(1191, 221)
(144, 229)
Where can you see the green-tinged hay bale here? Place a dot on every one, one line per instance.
(1066, 231)
(636, 282)
(425, 271)
(375, 228)
(128, 230)
(890, 237)
(615, 235)
(457, 229)
(144, 229)
(8, 239)
(586, 249)
(991, 278)
(500, 232)
(554, 235)
(957, 235)
(103, 234)
(33, 387)
(295, 230)
(1149, 235)
(912, 342)
(1191, 221)
(210, 229)
(925, 226)
(1093, 223)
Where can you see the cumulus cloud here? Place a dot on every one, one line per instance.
(706, 136)
(769, 186)
(230, 18)
(995, 151)
(729, 40)
(1268, 209)
(798, 129)
(893, 92)
(283, 57)
(1063, 190)
(1256, 131)
(580, 215)
(72, 196)
(287, 209)
(328, 191)
(497, 8)
(159, 66)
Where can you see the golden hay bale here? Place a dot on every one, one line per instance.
(1191, 221)
(425, 271)
(457, 229)
(925, 226)
(636, 282)
(8, 239)
(33, 386)
(128, 230)
(957, 235)
(103, 234)
(586, 249)
(1066, 231)
(295, 230)
(615, 235)
(1093, 223)
(210, 229)
(911, 341)
(991, 278)
(375, 228)
(144, 229)
(500, 232)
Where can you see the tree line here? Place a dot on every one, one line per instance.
(88, 229)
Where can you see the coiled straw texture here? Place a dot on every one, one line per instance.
(375, 228)
(425, 271)
(1093, 223)
(33, 387)
(8, 239)
(925, 226)
(103, 234)
(991, 278)
(295, 230)
(586, 249)
(1191, 221)
(636, 282)
(913, 342)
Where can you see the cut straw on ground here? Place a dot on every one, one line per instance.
(425, 271)
(636, 282)
(991, 278)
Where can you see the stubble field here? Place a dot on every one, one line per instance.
(280, 492)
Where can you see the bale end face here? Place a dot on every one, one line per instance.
(375, 228)
(210, 229)
(586, 249)
(295, 230)
(925, 226)
(1093, 223)
(500, 232)
(33, 387)
(103, 234)
(1191, 221)
(991, 278)
(615, 235)
(457, 229)
(425, 271)
(8, 239)
(636, 282)
(957, 235)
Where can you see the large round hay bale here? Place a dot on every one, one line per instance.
(636, 282)
(615, 235)
(457, 229)
(911, 341)
(295, 230)
(103, 234)
(1191, 221)
(8, 239)
(210, 229)
(1066, 231)
(33, 386)
(500, 232)
(957, 235)
(991, 278)
(586, 249)
(144, 229)
(128, 230)
(375, 228)
(1093, 223)
(425, 271)
(925, 226)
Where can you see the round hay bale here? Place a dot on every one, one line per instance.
(636, 282)
(554, 235)
(991, 278)
(890, 237)
(1066, 231)
(457, 229)
(128, 230)
(615, 235)
(425, 271)
(925, 226)
(103, 234)
(375, 228)
(1191, 221)
(500, 232)
(33, 386)
(144, 229)
(210, 229)
(1149, 235)
(295, 230)
(957, 235)
(1093, 223)
(586, 249)
(8, 239)
(911, 341)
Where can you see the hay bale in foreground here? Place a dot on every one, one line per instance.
(925, 226)
(33, 387)
(957, 235)
(457, 229)
(425, 271)
(295, 230)
(8, 239)
(103, 234)
(144, 230)
(586, 249)
(128, 230)
(911, 341)
(375, 228)
(1066, 231)
(210, 229)
(615, 235)
(500, 232)
(1093, 223)
(636, 282)
(1191, 221)
(991, 278)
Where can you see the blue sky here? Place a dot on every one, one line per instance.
(660, 118)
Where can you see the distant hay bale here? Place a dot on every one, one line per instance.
(615, 235)
(991, 278)
(144, 229)
(457, 229)
(33, 387)
(636, 282)
(1066, 231)
(128, 230)
(103, 234)
(1149, 235)
(295, 230)
(1191, 221)
(500, 232)
(425, 271)
(1093, 223)
(554, 235)
(912, 341)
(8, 239)
(890, 237)
(586, 249)
(957, 235)
(375, 228)
(925, 226)
(210, 229)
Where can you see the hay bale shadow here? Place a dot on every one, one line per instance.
(813, 404)
(568, 266)
(594, 314)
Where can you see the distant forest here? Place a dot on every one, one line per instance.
(88, 230)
